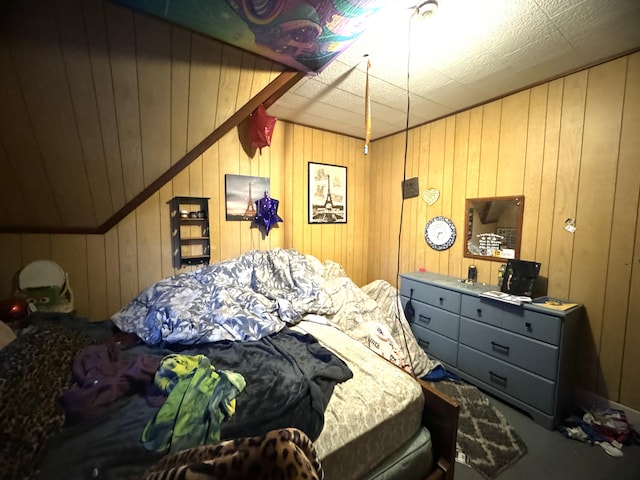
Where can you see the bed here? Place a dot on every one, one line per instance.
(293, 345)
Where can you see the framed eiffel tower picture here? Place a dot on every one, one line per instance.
(327, 193)
(241, 193)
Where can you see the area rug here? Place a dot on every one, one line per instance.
(484, 435)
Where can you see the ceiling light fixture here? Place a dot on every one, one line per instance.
(426, 9)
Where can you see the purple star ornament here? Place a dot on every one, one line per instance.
(267, 215)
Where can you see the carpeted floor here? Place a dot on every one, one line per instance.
(484, 435)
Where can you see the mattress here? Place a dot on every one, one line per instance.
(359, 433)
(414, 459)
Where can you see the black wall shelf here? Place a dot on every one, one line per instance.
(190, 242)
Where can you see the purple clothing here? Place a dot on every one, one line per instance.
(102, 376)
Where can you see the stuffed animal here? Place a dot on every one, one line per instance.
(41, 298)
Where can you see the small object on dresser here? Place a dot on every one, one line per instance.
(506, 297)
(554, 303)
(184, 214)
(520, 277)
(501, 271)
(472, 274)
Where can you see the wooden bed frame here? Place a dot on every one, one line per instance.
(440, 416)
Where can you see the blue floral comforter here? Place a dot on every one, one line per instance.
(245, 298)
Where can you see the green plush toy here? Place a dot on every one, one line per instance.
(42, 298)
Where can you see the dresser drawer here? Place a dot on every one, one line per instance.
(436, 346)
(532, 355)
(436, 319)
(436, 296)
(540, 326)
(525, 386)
(407, 284)
(486, 311)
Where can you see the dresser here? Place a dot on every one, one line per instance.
(522, 354)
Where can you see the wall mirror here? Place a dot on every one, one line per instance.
(494, 227)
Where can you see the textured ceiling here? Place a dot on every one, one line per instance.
(468, 53)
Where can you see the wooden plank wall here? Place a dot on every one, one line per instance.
(120, 96)
(98, 101)
(106, 271)
(344, 243)
(571, 146)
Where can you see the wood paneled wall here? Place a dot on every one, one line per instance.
(98, 101)
(571, 146)
(107, 271)
(345, 243)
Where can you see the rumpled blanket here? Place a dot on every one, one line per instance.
(373, 316)
(259, 293)
(241, 299)
(284, 454)
(289, 376)
(290, 379)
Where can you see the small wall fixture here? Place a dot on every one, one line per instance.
(427, 9)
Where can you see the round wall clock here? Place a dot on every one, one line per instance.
(440, 233)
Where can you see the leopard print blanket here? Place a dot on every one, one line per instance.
(285, 454)
(34, 370)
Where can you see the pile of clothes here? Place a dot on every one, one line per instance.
(607, 428)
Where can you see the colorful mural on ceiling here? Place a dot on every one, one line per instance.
(303, 34)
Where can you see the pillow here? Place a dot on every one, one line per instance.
(6, 335)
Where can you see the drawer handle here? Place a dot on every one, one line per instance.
(500, 348)
(479, 312)
(424, 319)
(441, 300)
(424, 343)
(498, 379)
(528, 325)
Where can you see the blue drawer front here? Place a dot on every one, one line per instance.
(537, 357)
(540, 326)
(527, 387)
(440, 321)
(482, 310)
(436, 346)
(436, 296)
